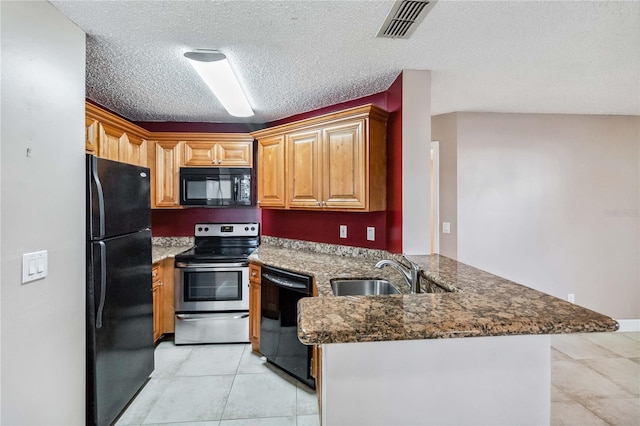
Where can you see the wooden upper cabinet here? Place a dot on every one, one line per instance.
(134, 151)
(91, 133)
(200, 154)
(114, 138)
(109, 143)
(165, 189)
(227, 150)
(235, 154)
(335, 162)
(345, 177)
(305, 170)
(271, 172)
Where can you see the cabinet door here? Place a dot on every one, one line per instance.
(305, 172)
(156, 276)
(344, 160)
(168, 307)
(200, 153)
(254, 306)
(109, 143)
(134, 151)
(271, 172)
(234, 154)
(167, 168)
(91, 133)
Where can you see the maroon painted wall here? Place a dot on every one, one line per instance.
(181, 222)
(394, 167)
(324, 227)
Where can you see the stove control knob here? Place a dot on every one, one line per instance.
(246, 228)
(253, 228)
(206, 229)
(200, 229)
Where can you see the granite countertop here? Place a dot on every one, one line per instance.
(164, 247)
(470, 302)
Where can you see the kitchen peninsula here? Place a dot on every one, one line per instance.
(476, 351)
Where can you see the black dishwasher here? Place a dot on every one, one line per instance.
(280, 291)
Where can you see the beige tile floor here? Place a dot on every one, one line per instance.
(219, 385)
(595, 380)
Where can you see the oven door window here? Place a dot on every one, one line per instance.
(212, 286)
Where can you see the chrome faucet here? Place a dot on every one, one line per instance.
(411, 273)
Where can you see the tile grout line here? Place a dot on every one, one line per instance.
(235, 374)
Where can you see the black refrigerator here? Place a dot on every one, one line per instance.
(119, 287)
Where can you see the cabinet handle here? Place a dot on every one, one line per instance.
(254, 274)
(324, 204)
(317, 203)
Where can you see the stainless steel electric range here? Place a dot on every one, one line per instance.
(212, 284)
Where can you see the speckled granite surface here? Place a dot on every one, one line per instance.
(477, 303)
(159, 253)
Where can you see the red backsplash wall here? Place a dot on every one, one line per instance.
(324, 227)
(181, 222)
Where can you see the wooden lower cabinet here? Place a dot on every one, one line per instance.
(163, 298)
(254, 306)
(168, 296)
(156, 276)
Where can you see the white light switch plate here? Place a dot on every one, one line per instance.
(446, 227)
(371, 233)
(34, 266)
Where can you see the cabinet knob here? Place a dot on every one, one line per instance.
(324, 204)
(317, 203)
(254, 274)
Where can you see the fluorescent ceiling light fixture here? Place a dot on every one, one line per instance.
(213, 67)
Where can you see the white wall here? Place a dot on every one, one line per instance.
(43, 322)
(416, 145)
(444, 130)
(551, 202)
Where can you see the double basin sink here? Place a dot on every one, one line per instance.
(362, 287)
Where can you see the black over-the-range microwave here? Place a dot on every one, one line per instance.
(216, 187)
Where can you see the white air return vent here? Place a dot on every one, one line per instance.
(404, 17)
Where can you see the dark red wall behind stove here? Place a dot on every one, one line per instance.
(181, 223)
(309, 225)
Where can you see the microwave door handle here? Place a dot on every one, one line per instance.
(236, 183)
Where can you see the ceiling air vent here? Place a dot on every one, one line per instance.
(404, 17)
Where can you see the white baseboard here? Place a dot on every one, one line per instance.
(627, 325)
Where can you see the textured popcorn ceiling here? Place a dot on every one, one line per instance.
(294, 56)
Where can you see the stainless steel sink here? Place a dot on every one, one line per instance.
(362, 287)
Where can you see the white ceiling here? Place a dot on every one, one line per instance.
(577, 57)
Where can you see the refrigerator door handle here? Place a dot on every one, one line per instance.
(103, 283)
(96, 179)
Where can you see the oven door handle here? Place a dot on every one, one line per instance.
(200, 317)
(210, 265)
